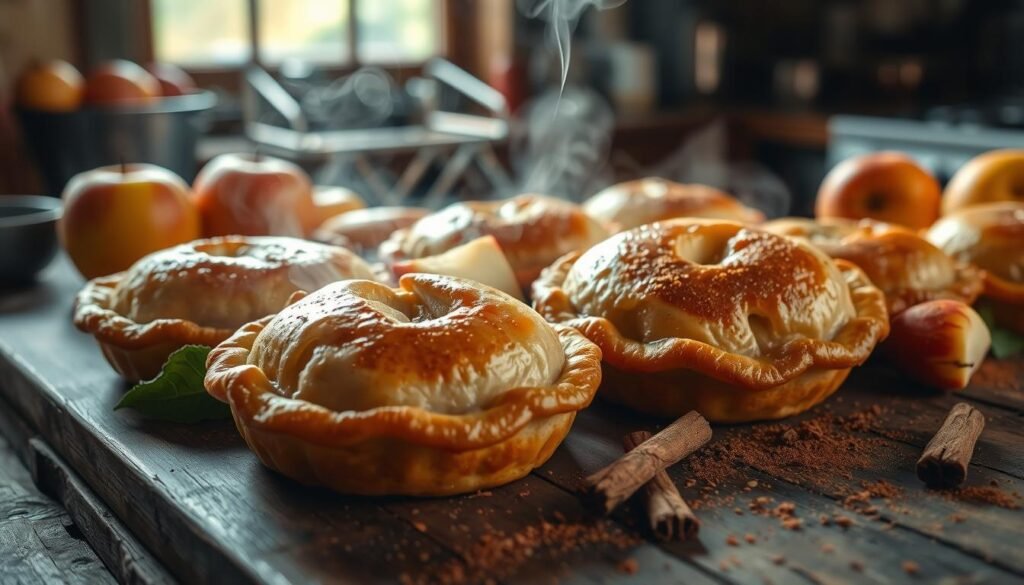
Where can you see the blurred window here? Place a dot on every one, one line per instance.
(396, 31)
(218, 33)
(308, 30)
(201, 32)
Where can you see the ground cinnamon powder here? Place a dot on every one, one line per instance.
(988, 494)
(800, 452)
(497, 555)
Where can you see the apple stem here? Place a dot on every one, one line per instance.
(256, 154)
(124, 166)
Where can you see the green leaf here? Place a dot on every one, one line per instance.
(1005, 343)
(177, 393)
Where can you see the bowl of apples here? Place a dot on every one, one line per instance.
(119, 112)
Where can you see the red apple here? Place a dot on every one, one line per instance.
(938, 343)
(53, 86)
(118, 82)
(887, 186)
(115, 215)
(173, 80)
(254, 195)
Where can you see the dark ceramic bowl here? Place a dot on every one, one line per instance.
(28, 236)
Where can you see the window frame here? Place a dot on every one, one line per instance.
(227, 76)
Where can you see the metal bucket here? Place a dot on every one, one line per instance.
(163, 133)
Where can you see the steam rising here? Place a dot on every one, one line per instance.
(702, 159)
(561, 144)
(562, 16)
(364, 99)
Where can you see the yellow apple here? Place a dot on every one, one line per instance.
(53, 86)
(997, 175)
(332, 201)
(115, 215)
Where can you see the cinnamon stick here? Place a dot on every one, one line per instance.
(946, 457)
(669, 515)
(614, 484)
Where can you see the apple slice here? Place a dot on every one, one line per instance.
(938, 343)
(481, 260)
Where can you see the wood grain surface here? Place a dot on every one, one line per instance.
(201, 502)
(39, 542)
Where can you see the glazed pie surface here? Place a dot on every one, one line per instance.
(635, 203)
(439, 386)
(532, 230)
(739, 323)
(907, 268)
(990, 236)
(200, 293)
(363, 230)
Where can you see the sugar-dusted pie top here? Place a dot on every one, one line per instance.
(731, 302)
(226, 282)
(634, 203)
(742, 290)
(990, 236)
(532, 230)
(903, 264)
(442, 344)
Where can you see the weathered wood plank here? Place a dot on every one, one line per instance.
(39, 543)
(942, 549)
(122, 554)
(465, 521)
(913, 417)
(1000, 383)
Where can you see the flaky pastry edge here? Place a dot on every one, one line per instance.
(254, 398)
(93, 314)
(851, 345)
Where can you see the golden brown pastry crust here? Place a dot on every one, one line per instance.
(532, 230)
(634, 203)
(399, 442)
(991, 237)
(907, 268)
(365, 229)
(199, 293)
(737, 323)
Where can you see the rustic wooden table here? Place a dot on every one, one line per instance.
(195, 498)
(39, 542)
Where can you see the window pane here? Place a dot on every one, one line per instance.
(398, 31)
(310, 30)
(201, 32)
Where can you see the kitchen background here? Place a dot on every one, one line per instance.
(755, 97)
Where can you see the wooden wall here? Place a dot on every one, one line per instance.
(29, 29)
